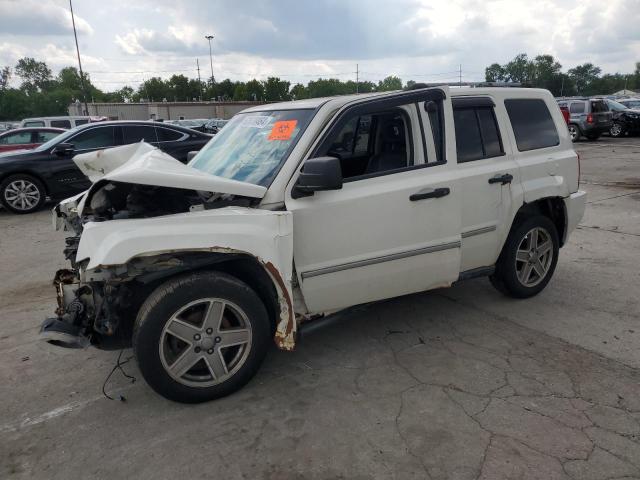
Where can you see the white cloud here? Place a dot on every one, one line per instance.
(33, 17)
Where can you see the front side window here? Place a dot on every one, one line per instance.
(532, 124)
(16, 138)
(253, 146)
(372, 143)
(101, 137)
(477, 134)
(61, 123)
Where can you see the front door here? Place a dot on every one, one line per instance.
(394, 227)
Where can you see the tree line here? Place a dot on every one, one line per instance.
(40, 93)
(544, 71)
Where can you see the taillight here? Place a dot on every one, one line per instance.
(590, 118)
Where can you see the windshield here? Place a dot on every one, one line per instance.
(253, 146)
(615, 106)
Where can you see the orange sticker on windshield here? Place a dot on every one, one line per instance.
(283, 130)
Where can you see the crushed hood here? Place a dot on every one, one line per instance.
(144, 164)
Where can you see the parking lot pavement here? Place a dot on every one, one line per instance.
(457, 383)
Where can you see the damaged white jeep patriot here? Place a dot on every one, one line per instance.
(300, 209)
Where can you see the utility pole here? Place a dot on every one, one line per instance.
(199, 81)
(562, 86)
(357, 78)
(210, 37)
(460, 76)
(84, 92)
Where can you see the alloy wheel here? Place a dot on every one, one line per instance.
(205, 342)
(534, 257)
(616, 130)
(573, 132)
(22, 195)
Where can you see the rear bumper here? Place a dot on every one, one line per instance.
(574, 206)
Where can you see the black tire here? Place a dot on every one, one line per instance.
(574, 132)
(149, 335)
(616, 130)
(593, 136)
(506, 276)
(32, 187)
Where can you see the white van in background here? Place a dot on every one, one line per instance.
(59, 122)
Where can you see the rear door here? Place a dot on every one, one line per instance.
(489, 178)
(602, 115)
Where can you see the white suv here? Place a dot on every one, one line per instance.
(296, 210)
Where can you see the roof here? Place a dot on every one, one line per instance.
(340, 100)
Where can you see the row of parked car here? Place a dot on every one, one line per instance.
(591, 117)
(36, 162)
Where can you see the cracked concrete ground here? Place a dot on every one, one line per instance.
(461, 383)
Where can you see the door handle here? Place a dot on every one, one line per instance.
(502, 179)
(430, 193)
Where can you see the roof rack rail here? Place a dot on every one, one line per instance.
(418, 86)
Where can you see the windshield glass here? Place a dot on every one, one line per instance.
(56, 140)
(253, 146)
(616, 106)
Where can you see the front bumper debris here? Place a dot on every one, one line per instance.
(62, 334)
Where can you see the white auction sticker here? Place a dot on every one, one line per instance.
(256, 121)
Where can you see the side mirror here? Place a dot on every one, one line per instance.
(322, 173)
(191, 154)
(64, 149)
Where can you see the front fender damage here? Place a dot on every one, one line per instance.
(109, 260)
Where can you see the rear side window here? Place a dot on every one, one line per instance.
(137, 133)
(82, 121)
(61, 123)
(477, 135)
(532, 124)
(42, 137)
(576, 107)
(598, 106)
(37, 123)
(168, 135)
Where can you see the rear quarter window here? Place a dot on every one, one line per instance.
(532, 123)
(61, 123)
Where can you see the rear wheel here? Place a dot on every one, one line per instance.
(201, 336)
(528, 258)
(574, 132)
(22, 193)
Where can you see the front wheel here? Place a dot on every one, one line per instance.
(616, 130)
(528, 258)
(201, 336)
(22, 193)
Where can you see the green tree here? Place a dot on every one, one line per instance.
(276, 90)
(5, 76)
(255, 90)
(495, 73)
(584, 76)
(240, 93)
(35, 75)
(390, 83)
(154, 90)
(298, 92)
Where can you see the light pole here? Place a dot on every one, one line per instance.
(210, 37)
(84, 92)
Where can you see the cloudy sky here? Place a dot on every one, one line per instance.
(127, 41)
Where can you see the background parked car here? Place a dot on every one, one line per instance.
(60, 122)
(27, 178)
(625, 120)
(27, 138)
(589, 117)
(214, 125)
(630, 102)
(197, 124)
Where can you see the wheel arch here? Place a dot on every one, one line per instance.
(553, 208)
(5, 175)
(146, 273)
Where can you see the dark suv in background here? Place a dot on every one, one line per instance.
(625, 120)
(27, 178)
(588, 117)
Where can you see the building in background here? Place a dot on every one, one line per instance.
(162, 110)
